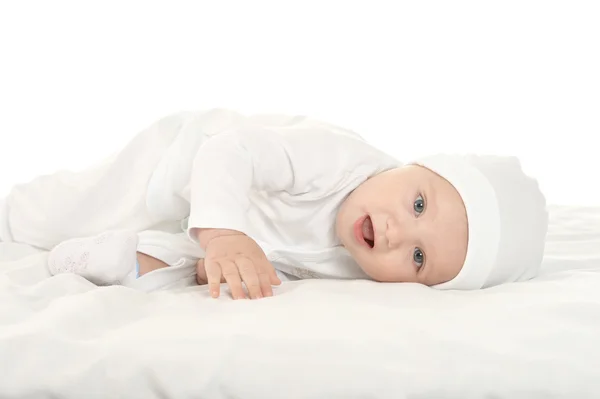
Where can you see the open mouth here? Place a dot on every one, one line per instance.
(364, 231)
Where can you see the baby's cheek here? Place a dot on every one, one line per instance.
(382, 269)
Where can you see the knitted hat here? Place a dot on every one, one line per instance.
(507, 218)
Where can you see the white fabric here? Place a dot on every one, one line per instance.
(108, 196)
(279, 179)
(64, 337)
(506, 214)
(5, 235)
(168, 247)
(104, 259)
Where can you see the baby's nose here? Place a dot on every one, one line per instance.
(394, 233)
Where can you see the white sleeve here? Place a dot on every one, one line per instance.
(299, 161)
(226, 168)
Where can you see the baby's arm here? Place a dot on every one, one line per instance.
(225, 169)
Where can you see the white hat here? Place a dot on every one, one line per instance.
(506, 214)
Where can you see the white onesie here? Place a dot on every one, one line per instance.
(279, 179)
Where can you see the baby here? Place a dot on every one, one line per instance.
(265, 198)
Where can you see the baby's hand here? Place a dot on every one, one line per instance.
(238, 258)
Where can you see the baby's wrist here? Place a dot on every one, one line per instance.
(205, 236)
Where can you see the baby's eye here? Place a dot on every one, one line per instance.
(419, 205)
(418, 257)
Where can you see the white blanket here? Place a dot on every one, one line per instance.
(63, 337)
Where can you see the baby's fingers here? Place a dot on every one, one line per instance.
(275, 280)
(213, 277)
(201, 273)
(232, 276)
(265, 284)
(248, 273)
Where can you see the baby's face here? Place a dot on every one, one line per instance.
(405, 225)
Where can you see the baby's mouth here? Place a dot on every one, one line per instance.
(368, 232)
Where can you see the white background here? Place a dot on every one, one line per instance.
(78, 79)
